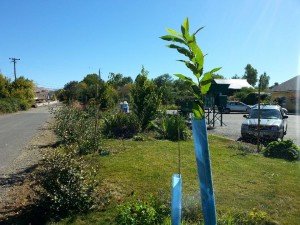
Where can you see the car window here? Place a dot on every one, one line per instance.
(265, 114)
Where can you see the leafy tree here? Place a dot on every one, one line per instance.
(91, 79)
(4, 86)
(23, 88)
(114, 79)
(235, 77)
(195, 63)
(89, 86)
(165, 85)
(60, 94)
(243, 93)
(217, 76)
(122, 86)
(126, 80)
(183, 91)
(250, 75)
(264, 81)
(124, 92)
(117, 80)
(71, 92)
(107, 96)
(274, 85)
(146, 99)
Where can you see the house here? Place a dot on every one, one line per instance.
(287, 94)
(41, 95)
(228, 86)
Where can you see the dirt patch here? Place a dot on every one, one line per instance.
(16, 181)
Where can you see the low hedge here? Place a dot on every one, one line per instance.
(10, 105)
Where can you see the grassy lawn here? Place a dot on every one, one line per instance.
(241, 181)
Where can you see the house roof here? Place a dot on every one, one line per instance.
(234, 83)
(288, 86)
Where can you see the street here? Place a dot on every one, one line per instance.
(17, 129)
(233, 121)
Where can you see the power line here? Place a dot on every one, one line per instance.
(14, 60)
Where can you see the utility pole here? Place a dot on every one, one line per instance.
(14, 60)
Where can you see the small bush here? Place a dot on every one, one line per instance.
(5, 107)
(24, 105)
(282, 149)
(143, 212)
(191, 209)
(148, 136)
(168, 127)
(10, 105)
(75, 126)
(121, 125)
(139, 137)
(66, 184)
(254, 217)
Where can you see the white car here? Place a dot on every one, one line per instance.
(233, 106)
(272, 126)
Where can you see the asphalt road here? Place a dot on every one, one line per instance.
(17, 129)
(232, 127)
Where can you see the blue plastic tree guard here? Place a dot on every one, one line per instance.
(176, 199)
(204, 171)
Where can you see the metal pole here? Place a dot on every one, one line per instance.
(14, 61)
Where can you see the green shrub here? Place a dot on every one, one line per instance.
(168, 127)
(139, 137)
(143, 212)
(282, 149)
(66, 184)
(146, 136)
(121, 125)
(254, 217)
(10, 105)
(191, 209)
(76, 127)
(5, 107)
(23, 104)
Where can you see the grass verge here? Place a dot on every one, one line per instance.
(241, 181)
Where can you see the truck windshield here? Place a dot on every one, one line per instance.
(265, 114)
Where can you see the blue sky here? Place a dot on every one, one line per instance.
(58, 41)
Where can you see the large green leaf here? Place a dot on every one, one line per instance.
(192, 67)
(199, 58)
(197, 92)
(185, 78)
(198, 111)
(172, 38)
(215, 70)
(182, 50)
(206, 82)
(194, 34)
(174, 32)
(185, 30)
